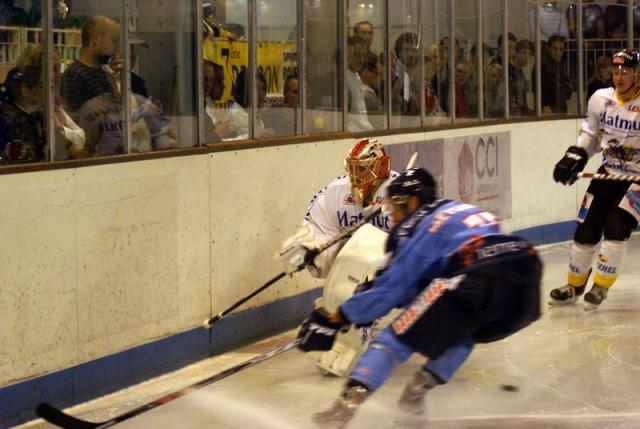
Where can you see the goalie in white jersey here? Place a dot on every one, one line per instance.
(342, 203)
(609, 208)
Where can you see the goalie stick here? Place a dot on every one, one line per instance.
(60, 418)
(344, 233)
(601, 176)
(309, 260)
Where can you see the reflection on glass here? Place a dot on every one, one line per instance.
(22, 124)
(278, 64)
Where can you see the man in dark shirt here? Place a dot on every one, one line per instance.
(85, 79)
(556, 86)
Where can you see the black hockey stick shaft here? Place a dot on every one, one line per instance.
(343, 233)
(60, 418)
(207, 323)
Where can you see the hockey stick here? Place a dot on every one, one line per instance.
(601, 176)
(60, 418)
(308, 261)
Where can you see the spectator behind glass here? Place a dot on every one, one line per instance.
(466, 97)
(615, 20)
(239, 116)
(556, 86)
(85, 79)
(511, 48)
(70, 139)
(357, 119)
(431, 103)
(21, 119)
(364, 30)
(403, 94)
(371, 76)
(282, 119)
(217, 122)
(91, 94)
(517, 80)
(494, 90)
(593, 21)
(601, 76)
(552, 21)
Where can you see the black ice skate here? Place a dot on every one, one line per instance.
(412, 398)
(341, 411)
(567, 294)
(594, 297)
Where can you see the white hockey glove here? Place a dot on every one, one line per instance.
(297, 250)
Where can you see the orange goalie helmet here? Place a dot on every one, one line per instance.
(368, 166)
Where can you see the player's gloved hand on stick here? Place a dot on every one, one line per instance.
(319, 330)
(573, 162)
(299, 250)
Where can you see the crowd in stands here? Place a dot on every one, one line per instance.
(88, 116)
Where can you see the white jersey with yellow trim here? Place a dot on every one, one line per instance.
(334, 208)
(613, 127)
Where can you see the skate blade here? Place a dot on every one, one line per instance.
(590, 307)
(553, 301)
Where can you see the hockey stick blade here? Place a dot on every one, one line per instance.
(60, 418)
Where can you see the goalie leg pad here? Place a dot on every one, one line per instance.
(383, 355)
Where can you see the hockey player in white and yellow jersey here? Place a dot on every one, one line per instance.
(610, 209)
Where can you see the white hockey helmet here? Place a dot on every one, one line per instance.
(367, 165)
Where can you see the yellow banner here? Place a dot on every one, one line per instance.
(276, 61)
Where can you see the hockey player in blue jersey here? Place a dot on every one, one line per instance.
(458, 276)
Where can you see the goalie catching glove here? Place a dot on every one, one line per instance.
(319, 330)
(299, 250)
(570, 165)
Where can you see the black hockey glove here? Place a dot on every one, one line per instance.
(574, 160)
(318, 332)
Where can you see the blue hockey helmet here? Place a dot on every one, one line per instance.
(416, 182)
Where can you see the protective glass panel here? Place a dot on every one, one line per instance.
(277, 80)
(22, 124)
(466, 64)
(435, 33)
(324, 91)
(521, 47)
(367, 63)
(163, 79)
(558, 57)
(405, 86)
(225, 74)
(494, 75)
